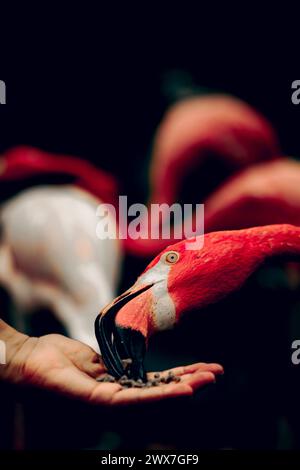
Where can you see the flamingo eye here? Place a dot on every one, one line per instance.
(171, 257)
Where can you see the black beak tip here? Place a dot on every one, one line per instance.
(132, 346)
(117, 343)
(127, 347)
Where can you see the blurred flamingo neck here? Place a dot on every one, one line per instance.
(219, 128)
(267, 193)
(27, 162)
(167, 177)
(196, 129)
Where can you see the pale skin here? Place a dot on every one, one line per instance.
(68, 367)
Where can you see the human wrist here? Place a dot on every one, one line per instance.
(12, 345)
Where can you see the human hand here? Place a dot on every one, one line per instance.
(70, 368)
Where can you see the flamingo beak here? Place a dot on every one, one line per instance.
(121, 345)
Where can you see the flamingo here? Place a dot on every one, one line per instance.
(77, 277)
(197, 129)
(23, 162)
(179, 280)
(50, 256)
(266, 193)
(218, 129)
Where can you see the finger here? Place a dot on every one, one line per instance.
(192, 368)
(188, 385)
(94, 370)
(92, 365)
(87, 354)
(137, 395)
(198, 367)
(199, 379)
(89, 362)
(172, 390)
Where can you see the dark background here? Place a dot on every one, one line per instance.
(93, 83)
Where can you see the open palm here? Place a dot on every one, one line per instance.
(68, 367)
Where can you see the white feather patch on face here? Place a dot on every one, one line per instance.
(163, 305)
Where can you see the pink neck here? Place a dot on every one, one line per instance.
(33, 162)
(283, 239)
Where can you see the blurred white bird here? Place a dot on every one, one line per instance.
(51, 256)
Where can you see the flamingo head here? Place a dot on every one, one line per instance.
(183, 277)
